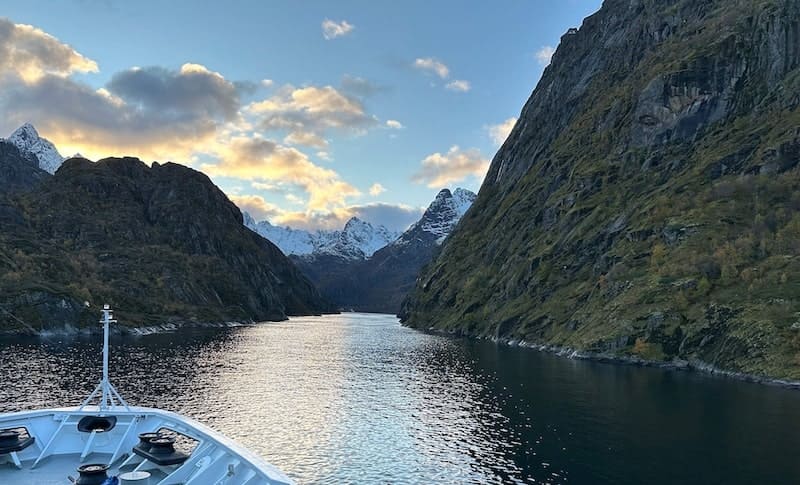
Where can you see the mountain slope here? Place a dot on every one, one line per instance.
(159, 243)
(645, 205)
(27, 139)
(380, 282)
(18, 171)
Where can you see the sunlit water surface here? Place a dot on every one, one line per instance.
(357, 398)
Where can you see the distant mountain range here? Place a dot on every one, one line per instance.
(358, 240)
(368, 268)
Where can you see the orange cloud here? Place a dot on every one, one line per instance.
(259, 208)
(439, 170)
(257, 159)
(308, 113)
(30, 54)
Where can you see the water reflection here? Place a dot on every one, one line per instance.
(357, 398)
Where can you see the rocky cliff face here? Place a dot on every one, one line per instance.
(645, 205)
(161, 244)
(380, 282)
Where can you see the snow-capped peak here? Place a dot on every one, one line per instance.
(462, 200)
(288, 240)
(358, 240)
(248, 219)
(27, 139)
(442, 215)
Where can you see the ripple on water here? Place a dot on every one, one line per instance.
(357, 398)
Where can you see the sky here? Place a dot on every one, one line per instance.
(305, 113)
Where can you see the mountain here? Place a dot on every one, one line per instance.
(645, 206)
(27, 139)
(160, 243)
(380, 282)
(358, 240)
(439, 219)
(19, 171)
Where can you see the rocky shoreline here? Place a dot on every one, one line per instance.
(167, 327)
(675, 365)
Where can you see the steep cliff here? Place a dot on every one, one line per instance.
(646, 204)
(161, 244)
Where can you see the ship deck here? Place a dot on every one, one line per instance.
(60, 446)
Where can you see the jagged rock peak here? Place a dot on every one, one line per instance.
(28, 140)
(445, 212)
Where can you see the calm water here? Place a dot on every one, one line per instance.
(359, 399)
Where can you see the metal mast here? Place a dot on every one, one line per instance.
(108, 393)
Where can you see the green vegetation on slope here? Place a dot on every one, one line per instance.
(161, 244)
(657, 213)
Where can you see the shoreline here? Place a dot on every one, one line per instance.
(696, 366)
(168, 327)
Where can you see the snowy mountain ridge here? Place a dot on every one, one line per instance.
(358, 240)
(442, 215)
(27, 139)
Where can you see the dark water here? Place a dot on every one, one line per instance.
(359, 399)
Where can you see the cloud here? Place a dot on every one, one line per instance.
(397, 217)
(267, 186)
(376, 189)
(305, 139)
(294, 199)
(394, 124)
(192, 91)
(439, 170)
(99, 123)
(498, 133)
(432, 65)
(358, 86)
(332, 29)
(190, 114)
(544, 54)
(30, 54)
(259, 208)
(262, 160)
(459, 85)
(149, 112)
(308, 113)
